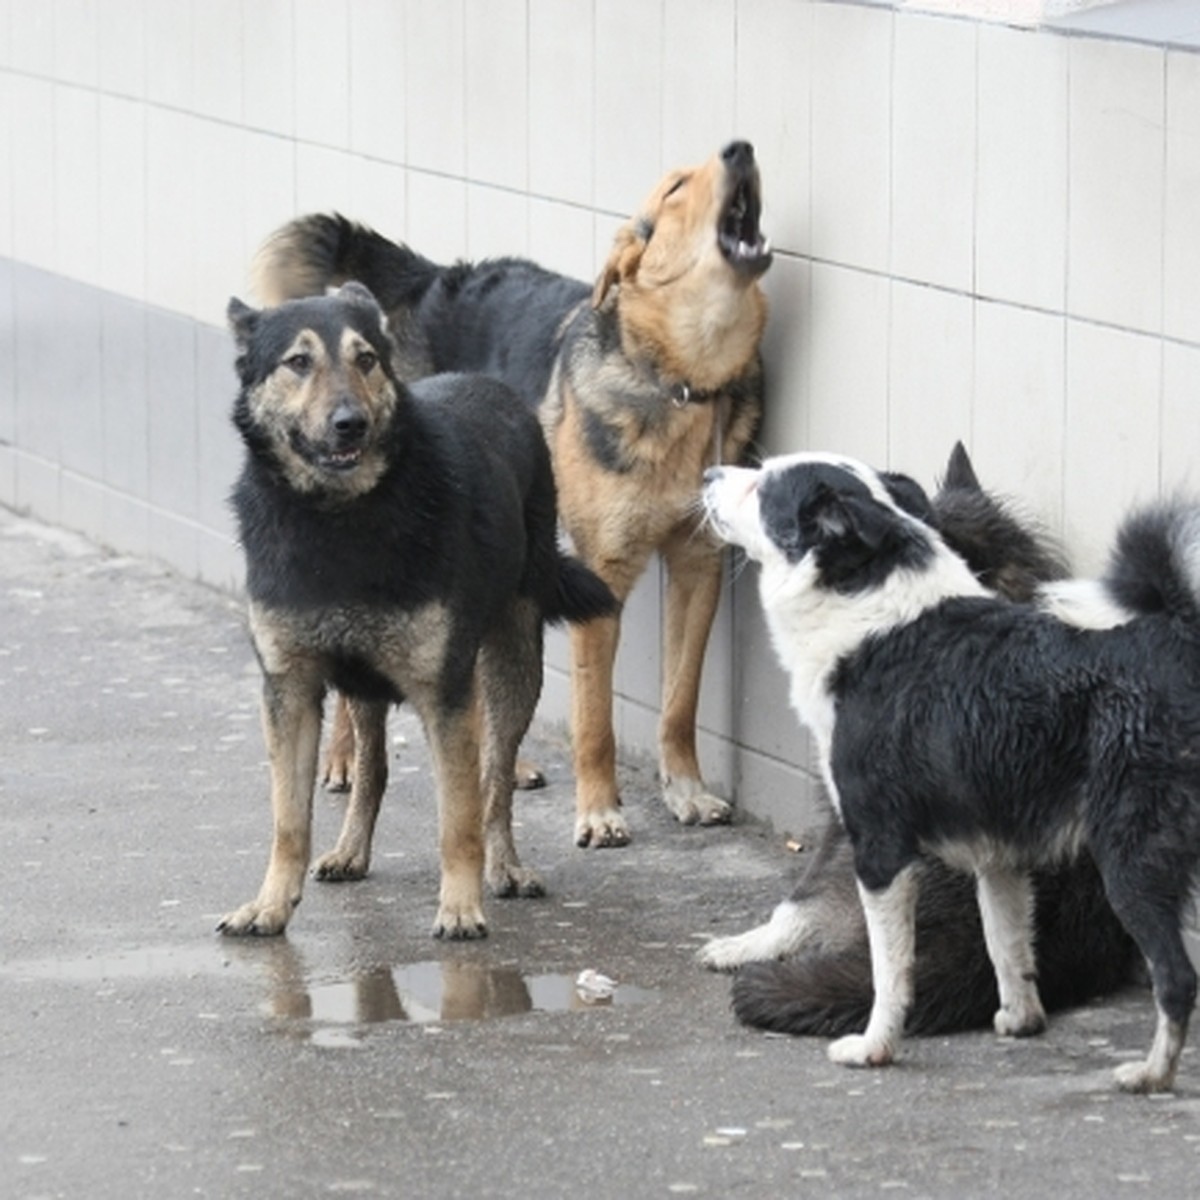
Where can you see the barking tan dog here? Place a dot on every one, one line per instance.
(642, 381)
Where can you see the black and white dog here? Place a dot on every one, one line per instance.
(807, 970)
(995, 737)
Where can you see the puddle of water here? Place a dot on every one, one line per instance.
(423, 992)
(429, 992)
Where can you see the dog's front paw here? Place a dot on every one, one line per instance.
(723, 953)
(1141, 1078)
(602, 829)
(341, 866)
(736, 950)
(257, 919)
(788, 929)
(456, 925)
(857, 1050)
(692, 805)
(1020, 1022)
(508, 880)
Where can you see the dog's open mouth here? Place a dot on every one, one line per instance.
(337, 460)
(340, 460)
(738, 233)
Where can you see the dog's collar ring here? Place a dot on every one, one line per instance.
(683, 394)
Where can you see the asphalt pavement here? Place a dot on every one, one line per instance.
(142, 1055)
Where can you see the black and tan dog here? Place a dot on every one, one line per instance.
(401, 544)
(642, 380)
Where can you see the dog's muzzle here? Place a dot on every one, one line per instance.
(346, 436)
(738, 233)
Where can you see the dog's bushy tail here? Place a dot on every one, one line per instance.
(1155, 563)
(1082, 950)
(829, 995)
(321, 250)
(579, 595)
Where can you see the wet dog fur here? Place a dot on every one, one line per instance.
(642, 380)
(401, 545)
(995, 737)
(807, 970)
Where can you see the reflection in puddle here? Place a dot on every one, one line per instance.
(434, 991)
(334, 1010)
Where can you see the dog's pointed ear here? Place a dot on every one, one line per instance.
(960, 472)
(243, 320)
(623, 259)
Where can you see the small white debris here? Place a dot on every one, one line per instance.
(592, 987)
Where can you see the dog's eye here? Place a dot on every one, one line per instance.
(299, 362)
(366, 361)
(675, 186)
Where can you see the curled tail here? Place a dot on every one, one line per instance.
(1155, 562)
(314, 252)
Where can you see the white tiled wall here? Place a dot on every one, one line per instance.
(982, 232)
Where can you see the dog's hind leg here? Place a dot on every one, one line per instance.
(693, 592)
(351, 857)
(891, 931)
(291, 712)
(1144, 844)
(1151, 913)
(510, 673)
(338, 772)
(598, 817)
(1006, 909)
(1174, 980)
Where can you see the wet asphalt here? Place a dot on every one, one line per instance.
(143, 1055)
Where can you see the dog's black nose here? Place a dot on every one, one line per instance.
(739, 155)
(349, 423)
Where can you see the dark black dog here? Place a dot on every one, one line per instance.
(995, 737)
(808, 969)
(400, 545)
